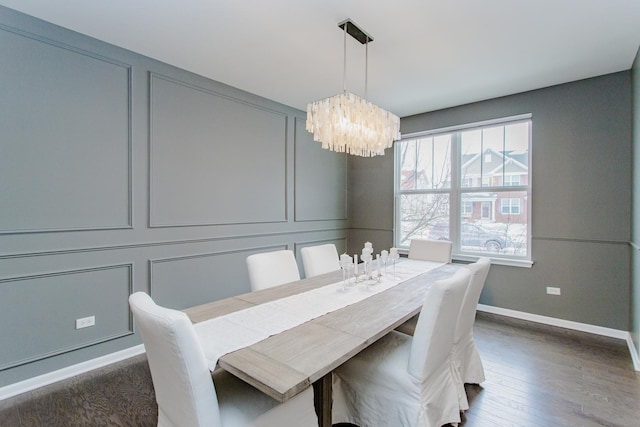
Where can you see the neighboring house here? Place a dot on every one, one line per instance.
(495, 169)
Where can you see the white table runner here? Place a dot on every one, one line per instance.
(243, 328)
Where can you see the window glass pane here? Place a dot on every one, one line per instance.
(439, 162)
(408, 165)
(426, 163)
(423, 216)
(471, 166)
(496, 156)
(517, 137)
(497, 223)
(488, 160)
(516, 148)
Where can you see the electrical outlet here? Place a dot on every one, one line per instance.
(553, 291)
(85, 322)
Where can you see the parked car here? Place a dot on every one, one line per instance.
(473, 235)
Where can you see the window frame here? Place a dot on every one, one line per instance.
(456, 190)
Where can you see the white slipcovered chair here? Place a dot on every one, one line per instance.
(320, 259)
(185, 392)
(269, 269)
(407, 381)
(430, 250)
(465, 354)
(426, 250)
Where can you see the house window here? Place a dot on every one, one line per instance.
(511, 180)
(466, 208)
(468, 184)
(510, 206)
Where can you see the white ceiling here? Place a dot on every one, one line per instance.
(426, 54)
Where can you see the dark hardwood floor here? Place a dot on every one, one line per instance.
(536, 376)
(545, 376)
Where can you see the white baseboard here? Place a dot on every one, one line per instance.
(634, 353)
(568, 324)
(68, 372)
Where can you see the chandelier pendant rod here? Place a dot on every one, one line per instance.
(366, 68)
(344, 62)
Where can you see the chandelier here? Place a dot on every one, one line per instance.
(347, 123)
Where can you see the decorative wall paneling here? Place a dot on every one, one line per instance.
(40, 312)
(120, 173)
(320, 179)
(65, 116)
(212, 276)
(214, 159)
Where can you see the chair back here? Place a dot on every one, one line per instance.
(182, 381)
(269, 269)
(433, 338)
(430, 250)
(320, 259)
(479, 272)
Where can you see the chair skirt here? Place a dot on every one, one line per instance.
(375, 389)
(467, 360)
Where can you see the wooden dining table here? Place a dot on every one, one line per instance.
(286, 363)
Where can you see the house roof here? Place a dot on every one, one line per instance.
(511, 161)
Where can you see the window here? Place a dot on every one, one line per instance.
(466, 209)
(510, 206)
(468, 184)
(511, 180)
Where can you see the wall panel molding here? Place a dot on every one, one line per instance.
(54, 90)
(194, 176)
(50, 327)
(202, 144)
(188, 280)
(319, 175)
(225, 237)
(301, 244)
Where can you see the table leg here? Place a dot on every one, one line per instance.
(322, 399)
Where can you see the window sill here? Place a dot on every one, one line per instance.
(522, 263)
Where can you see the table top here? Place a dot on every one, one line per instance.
(287, 363)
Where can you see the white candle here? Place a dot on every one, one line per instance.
(378, 263)
(355, 264)
(344, 260)
(394, 253)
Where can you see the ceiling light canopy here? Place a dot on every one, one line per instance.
(347, 123)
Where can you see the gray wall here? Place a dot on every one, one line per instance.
(635, 224)
(581, 199)
(119, 173)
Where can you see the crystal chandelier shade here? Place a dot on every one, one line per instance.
(347, 123)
